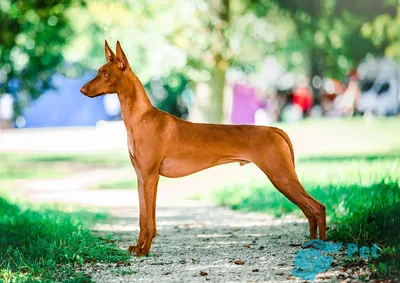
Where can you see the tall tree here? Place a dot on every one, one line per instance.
(205, 40)
(219, 27)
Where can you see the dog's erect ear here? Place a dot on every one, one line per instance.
(122, 61)
(110, 56)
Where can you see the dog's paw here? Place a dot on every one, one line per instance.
(136, 251)
(131, 249)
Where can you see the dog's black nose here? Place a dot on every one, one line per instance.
(83, 90)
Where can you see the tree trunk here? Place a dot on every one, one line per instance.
(315, 69)
(217, 81)
(217, 85)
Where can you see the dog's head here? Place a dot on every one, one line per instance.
(109, 75)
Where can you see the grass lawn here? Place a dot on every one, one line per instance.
(344, 137)
(361, 191)
(328, 180)
(43, 244)
(39, 165)
(39, 244)
(124, 184)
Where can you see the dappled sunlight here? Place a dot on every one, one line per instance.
(213, 243)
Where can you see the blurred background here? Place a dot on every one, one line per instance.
(253, 62)
(325, 71)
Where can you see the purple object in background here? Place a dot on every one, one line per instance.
(245, 104)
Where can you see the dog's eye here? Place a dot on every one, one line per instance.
(105, 74)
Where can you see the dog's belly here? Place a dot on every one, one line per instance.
(173, 167)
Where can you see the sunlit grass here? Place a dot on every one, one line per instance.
(49, 245)
(46, 244)
(328, 180)
(39, 165)
(124, 184)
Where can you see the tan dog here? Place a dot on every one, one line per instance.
(161, 144)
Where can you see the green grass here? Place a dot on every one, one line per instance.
(347, 136)
(327, 179)
(125, 184)
(113, 159)
(49, 245)
(371, 215)
(40, 165)
(12, 171)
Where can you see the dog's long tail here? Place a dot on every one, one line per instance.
(287, 139)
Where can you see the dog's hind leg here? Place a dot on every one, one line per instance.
(277, 163)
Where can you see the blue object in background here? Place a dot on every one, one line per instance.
(65, 106)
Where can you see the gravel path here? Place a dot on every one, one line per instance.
(196, 241)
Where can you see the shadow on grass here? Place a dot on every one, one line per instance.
(124, 184)
(33, 166)
(88, 159)
(343, 158)
(95, 159)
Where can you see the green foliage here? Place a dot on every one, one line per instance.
(328, 32)
(318, 37)
(167, 91)
(48, 245)
(32, 38)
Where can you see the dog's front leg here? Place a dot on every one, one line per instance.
(147, 189)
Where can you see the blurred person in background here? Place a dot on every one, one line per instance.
(303, 96)
(352, 93)
(330, 91)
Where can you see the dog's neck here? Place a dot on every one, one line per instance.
(133, 98)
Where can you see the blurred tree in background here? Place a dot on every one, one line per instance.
(158, 37)
(33, 35)
(328, 32)
(198, 39)
(167, 93)
(383, 30)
